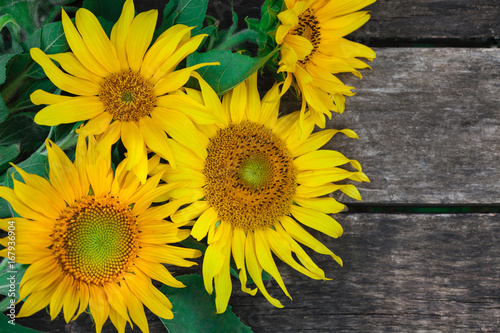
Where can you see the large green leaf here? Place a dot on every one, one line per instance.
(189, 12)
(109, 9)
(22, 129)
(10, 326)
(4, 59)
(234, 68)
(8, 154)
(194, 309)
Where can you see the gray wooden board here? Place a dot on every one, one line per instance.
(459, 21)
(454, 20)
(429, 126)
(402, 273)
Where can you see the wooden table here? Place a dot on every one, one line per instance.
(428, 118)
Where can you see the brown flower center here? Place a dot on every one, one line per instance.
(250, 177)
(95, 240)
(308, 27)
(127, 96)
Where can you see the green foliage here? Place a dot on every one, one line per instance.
(234, 68)
(194, 309)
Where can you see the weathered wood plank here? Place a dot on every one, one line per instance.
(429, 124)
(448, 21)
(401, 273)
(435, 21)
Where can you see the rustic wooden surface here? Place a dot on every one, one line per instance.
(429, 127)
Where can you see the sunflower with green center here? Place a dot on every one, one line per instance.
(248, 177)
(92, 240)
(123, 87)
(313, 49)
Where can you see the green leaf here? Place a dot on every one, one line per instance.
(8, 154)
(4, 59)
(23, 129)
(109, 9)
(12, 272)
(194, 309)
(9, 325)
(37, 164)
(234, 68)
(53, 38)
(10, 23)
(189, 12)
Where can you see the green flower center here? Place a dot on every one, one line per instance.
(96, 240)
(255, 171)
(250, 177)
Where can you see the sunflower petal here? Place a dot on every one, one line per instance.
(139, 37)
(70, 111)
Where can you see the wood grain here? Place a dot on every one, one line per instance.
(402, 273)
(429, 124)
(408, 273)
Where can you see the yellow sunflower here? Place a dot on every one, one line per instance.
(125, 88)
(248, 177)
(92, 240)
(313, 49)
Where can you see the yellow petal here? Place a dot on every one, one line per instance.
(344, 25)
(190, 212)
(177, 79)
(238, 104)
(97, 125)
(255, 270)
(36, 301)
(338, 8)
(300, 45)
(66, 82)
(135, 308)
(155, 138)
(39, 97)
(181, 129)
(64, 175)
(300, 234)
(171, 62)
(222, 281)
(151, 297)
(139, 38)
(79, 48)
(197, 112)
(158, 272)
(96, 40)
(98, 305)
(321, 177)
(118, 320)
(115, 299)
(21, 208)
(73, 66)
(238, 251)
(263, 252)
(323, 159)
(120, 30)
(163, 48)
(38, 200)
(207, 218)
(317, 220)
(70, 301)
(56, 300)
(133, 141)
(70, 111)
(324, 205)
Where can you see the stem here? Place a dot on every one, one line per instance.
(240, 37)
(42, 146)
(13, 87)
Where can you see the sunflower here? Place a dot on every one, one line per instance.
(123, 88)
(248, 177)
(92, 240)
(313, 49)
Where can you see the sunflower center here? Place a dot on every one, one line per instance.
(127, 96)
(309, 28)
(250, 178)
(255, 171)
(95, 240)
